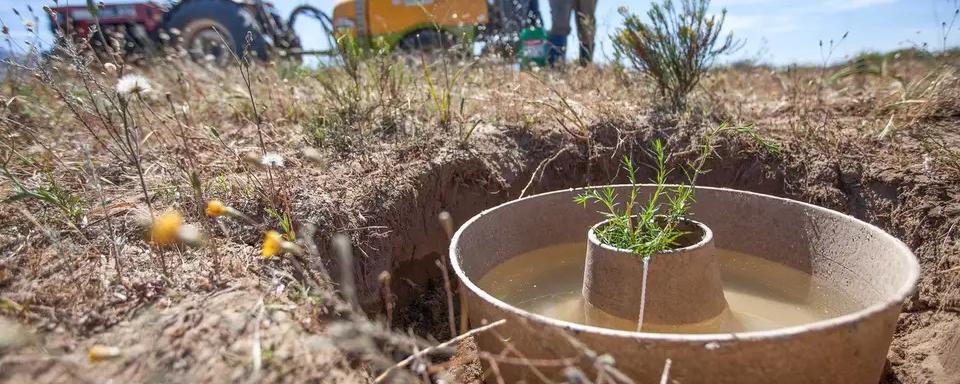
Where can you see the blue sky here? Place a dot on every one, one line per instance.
(774, 31)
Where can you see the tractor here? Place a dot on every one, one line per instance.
(215, 30)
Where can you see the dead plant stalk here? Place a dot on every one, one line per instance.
(403, 363)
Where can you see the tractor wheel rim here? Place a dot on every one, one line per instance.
(208, 45)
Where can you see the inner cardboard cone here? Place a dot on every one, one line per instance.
(683, 285)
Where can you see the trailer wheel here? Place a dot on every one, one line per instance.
(214, 30)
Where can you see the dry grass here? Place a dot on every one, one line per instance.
(94, 167)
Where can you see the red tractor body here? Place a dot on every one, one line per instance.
(78, 19)
(203, 28)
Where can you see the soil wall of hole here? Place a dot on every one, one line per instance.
(496, 168)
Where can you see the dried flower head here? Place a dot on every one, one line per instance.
(169, 229)
(216, 208)
(98, 353)
(164, 230)
(110, 67)
(133, 85)
(272, 159)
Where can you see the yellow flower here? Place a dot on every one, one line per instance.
(272, 244)
(215, 208)
(165, 228)
(98, 353)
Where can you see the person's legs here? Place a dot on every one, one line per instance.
(586, 28)
(533, 15)
(559, 29)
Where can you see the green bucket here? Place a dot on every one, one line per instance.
(532, 47)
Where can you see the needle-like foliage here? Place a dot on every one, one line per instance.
(647, 227)
(653, 226)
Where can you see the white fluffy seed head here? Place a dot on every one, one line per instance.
(271, 159)
(133, 85)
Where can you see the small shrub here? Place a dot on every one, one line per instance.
(642, 227)
(676, 47)
(651, 226)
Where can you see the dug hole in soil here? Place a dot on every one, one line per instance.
(498, 166)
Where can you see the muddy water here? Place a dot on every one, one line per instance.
(762, 294)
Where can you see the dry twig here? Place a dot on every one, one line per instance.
(403, 363)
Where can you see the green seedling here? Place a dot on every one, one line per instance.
(651, 226)
(284, 221)
(647, 227)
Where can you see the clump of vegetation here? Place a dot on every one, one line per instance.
(652, 226)
(676, 47)
(643, 228)
(52, 194)
(940, 153)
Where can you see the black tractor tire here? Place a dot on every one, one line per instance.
(215, 28)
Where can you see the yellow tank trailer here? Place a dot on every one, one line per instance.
(410, 24)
